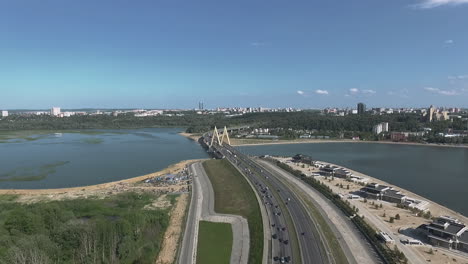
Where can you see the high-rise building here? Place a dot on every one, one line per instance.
(380, 128)
(431, 112)
(4, 113)
(200, 106)
(361, 108)
(55, 111)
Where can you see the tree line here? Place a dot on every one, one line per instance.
(196, 123)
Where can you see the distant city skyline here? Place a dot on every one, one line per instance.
(169, 54)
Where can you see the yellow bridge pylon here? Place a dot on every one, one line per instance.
(220, 140)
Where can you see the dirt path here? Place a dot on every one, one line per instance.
(173, 232)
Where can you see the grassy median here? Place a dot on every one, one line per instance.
(234, 195)
(214, 243)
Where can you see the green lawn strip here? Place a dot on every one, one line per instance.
(234, 195)
(214, 243)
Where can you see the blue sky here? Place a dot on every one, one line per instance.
(275, 53)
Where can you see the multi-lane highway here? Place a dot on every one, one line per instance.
(292, 234)
(280, 241)
(310, 246)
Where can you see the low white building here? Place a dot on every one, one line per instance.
(4, 113)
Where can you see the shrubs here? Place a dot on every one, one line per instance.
(111, 230)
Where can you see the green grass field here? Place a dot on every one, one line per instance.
(234, 195)
(214, 243)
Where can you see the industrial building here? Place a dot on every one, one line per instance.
(383, 192)
(388, 194)
(448, 232)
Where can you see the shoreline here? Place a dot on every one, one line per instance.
(318, 141)
(264, 142)
(433, 206)
(403, 227)
(100, 186)
(190, 136)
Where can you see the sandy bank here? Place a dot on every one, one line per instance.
(99, 188)
(193, 137)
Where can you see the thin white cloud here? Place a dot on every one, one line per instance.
(458, 77)
(431, 89)
(426, 4)
(449, 41)
(441, 92)
(354, 90)
(448, 92)
(369, 92)
(323, 92)
(300, 92)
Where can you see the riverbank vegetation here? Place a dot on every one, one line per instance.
(117, 229)
(31, 173)
(287, 125)
(214, 243)
(234, 195)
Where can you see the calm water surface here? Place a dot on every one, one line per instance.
(438, 173)
(74, 159)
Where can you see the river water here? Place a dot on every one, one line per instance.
(437, 173)
(60, 160)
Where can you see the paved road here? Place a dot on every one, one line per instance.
(189, 242)
(311, 247)
(203, 209)
(354, 244)
(280, 246)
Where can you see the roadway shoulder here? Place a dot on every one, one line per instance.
(348, 237)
